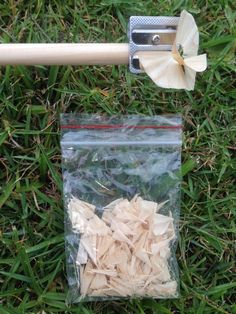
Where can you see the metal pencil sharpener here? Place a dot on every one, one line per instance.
(150, 33)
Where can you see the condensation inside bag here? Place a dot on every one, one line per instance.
(121, 193)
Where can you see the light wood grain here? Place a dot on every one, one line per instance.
(64, 54)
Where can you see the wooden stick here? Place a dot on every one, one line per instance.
(64, 54)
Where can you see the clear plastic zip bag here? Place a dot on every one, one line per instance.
(122, 197)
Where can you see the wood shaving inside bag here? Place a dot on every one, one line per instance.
(126, 251)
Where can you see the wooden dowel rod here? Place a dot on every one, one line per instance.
(64, 54)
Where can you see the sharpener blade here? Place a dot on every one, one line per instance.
(150, 33)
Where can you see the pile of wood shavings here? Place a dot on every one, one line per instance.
(126, 252)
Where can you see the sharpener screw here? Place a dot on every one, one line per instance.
(155, 39)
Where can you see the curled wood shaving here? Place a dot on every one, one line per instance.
(126, 251)
(169, 69)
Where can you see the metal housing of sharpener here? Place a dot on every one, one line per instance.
(150, 33)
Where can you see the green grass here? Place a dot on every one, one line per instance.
(32, 260)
